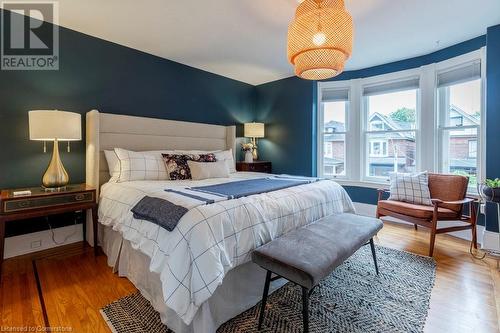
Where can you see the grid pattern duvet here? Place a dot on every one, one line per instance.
(211, 239)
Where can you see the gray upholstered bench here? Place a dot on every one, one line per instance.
(307, 255)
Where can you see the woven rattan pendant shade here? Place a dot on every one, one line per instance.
(320, 39)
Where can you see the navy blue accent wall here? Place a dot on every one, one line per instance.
(287, 108)
(96, 74)
(438, 56)
(493, 117)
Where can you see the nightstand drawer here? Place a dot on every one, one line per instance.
(257, 166)
(21, 204)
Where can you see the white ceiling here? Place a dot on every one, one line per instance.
(246, 39)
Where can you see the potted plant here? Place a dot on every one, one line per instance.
(247, 148)
(491, 190)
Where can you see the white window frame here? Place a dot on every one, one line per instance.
(341, 86)
(456, 63)
(427, 132)
(366, 131)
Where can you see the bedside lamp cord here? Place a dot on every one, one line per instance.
(66, 238)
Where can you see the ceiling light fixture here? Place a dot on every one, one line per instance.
(320, 39)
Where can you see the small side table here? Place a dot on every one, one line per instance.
(255, 166)
(42, 203)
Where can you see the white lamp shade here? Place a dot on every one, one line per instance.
(48, 125)
(254, 130)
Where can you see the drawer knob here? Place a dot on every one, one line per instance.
(79, 197)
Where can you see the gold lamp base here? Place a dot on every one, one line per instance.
(255, 154)
(55, 176)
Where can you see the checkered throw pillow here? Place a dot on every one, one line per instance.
(412, 188)
(140, 166)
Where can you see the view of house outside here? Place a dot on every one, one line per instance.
(390, 132)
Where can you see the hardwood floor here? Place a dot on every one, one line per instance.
(75, 285)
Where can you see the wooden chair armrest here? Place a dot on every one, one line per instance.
(457, 202)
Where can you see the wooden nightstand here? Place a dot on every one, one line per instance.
(255, 166)
(42, 203)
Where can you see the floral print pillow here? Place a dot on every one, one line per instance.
(177, 166)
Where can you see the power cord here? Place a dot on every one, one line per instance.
(53, 236)
(491, 253)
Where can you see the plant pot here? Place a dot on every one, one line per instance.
(492, 194)
(248, 157)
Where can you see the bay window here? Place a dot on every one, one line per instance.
(428, 118)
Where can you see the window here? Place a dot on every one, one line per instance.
(378, 148)
(391, 120)
(472, 148)
(333, 131)
(427, 118)
(459, 107)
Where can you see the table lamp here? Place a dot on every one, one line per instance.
(254, 131)
(54, 125)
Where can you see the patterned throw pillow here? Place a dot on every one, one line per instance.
(140, 166)
(412, 188)
(177, 166)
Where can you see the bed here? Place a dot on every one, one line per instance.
(199, 275)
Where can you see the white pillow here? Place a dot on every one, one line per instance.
(412, 188)
(227, 156)
(206, 170)
(113, 164)
(140, 166)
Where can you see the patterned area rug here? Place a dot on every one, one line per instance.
(352, 299)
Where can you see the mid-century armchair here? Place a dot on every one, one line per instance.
(448, 196)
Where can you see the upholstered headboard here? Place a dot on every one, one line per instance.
(107, 131)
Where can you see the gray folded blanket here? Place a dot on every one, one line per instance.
(159, 211)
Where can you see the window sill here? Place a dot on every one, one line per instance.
(367, 184)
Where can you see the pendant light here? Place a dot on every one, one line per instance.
(320, 39)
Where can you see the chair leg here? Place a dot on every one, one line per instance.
(374, 255)
(415, 226)
(264, 299)
(433, 240)
(305, 309)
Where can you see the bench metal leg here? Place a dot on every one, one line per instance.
(264, 299)
(305, 309)
(372, 245)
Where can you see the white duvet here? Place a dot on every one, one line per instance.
(210, 240)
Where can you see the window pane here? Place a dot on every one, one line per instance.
(334, 116)
(393, 111)
(460, 153)
(333, 155)
(390, 152)
(462, 104)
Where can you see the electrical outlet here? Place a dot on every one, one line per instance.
(36, 244)
(482, 209)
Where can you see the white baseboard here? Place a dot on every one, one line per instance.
(42, 240)
(487, 239)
